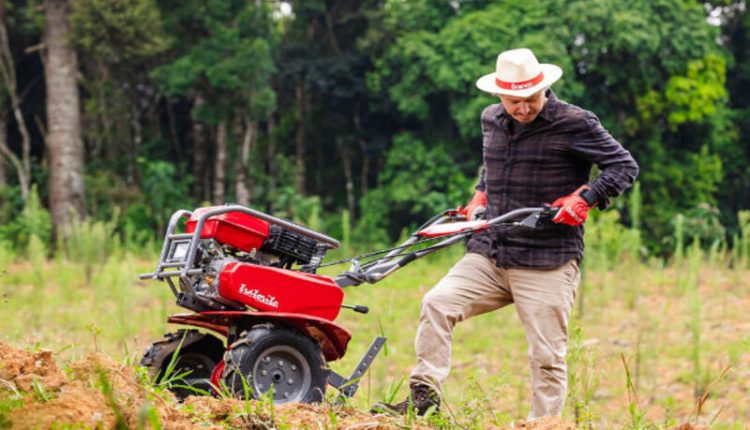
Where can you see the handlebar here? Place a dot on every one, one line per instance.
(375, 271)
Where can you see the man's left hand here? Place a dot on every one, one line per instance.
(573, 208)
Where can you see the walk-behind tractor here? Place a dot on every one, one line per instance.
(266, 318)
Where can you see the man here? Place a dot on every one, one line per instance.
(536, 149)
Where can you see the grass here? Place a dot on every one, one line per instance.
(677, 337)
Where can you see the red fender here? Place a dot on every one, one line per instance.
(332, 338)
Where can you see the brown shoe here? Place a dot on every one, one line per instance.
(421, 399)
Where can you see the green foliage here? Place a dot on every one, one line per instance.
(583, 378)
(434, 185)
(90, 243)
(164, 191)
(698, 95)
(608, 242)
(34, 220)
(118, 30)
(425, 70)
(230, 67)
(703, 223)
(742, 241)
(665, 82)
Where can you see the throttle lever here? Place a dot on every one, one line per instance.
(357, 308)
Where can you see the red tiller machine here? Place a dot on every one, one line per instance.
(266, 319)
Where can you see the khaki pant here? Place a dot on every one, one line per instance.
(474, 286)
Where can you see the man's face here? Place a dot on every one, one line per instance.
(525, 109)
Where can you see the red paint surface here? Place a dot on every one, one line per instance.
(236, 229)
(279, 290)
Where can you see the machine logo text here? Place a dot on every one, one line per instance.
(258, 296)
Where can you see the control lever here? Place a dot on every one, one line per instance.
(357, 308)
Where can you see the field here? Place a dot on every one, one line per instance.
(651, 345)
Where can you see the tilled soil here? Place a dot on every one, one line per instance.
(97, 392)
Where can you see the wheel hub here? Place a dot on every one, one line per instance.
(286, 370)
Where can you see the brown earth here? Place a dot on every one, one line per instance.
(97, 392)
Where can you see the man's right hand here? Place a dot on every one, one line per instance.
(476, 207)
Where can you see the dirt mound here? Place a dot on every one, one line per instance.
(97, 393)
(689, 426)
(546, 423)
(252, 414)
(22, 369)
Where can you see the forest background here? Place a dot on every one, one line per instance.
(351, 116)
(361, 119)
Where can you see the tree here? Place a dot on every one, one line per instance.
(11, 97)
(226, 72)
(63, 140)
(116, 39)
(652, 71)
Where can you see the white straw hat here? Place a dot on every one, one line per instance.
(518, 73)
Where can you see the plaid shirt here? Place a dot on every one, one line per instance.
(533, 164)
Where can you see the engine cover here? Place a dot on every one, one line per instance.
(272, 289)
(236, 229)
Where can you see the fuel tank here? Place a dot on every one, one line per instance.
(236, 229)
(279, 290)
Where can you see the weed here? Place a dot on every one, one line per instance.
(90, 243)
(582, 379)
(8, 404)
(40, 393)
(148, 414)
(393, 390)
(742, 244)
(637, 417)
(679, 240)
(95, 332)
(105, 386)
(700, 403)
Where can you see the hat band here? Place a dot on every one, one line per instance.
(522, 85)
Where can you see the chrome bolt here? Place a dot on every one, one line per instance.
(281, 363)
(294, 367)
(260, 386)
(266, 359)
(286, 394)
(290, 381)
(263, 372)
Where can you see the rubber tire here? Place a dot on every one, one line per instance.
(200, 350)
(269, 341)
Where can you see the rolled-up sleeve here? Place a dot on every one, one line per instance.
(481, 185)
(618, 169)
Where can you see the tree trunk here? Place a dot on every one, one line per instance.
(220, 163)
(133, 175)
(301, 97)
(243, 162)
(272, 170)
(8, 76)
(200, 159)
(4, 143)
(64, 144)
(365, 155)
(346, 158)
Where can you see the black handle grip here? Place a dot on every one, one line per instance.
(357, 308)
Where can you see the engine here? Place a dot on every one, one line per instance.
(246, 261)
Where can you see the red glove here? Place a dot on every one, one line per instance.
(573, 208)
(476, 206)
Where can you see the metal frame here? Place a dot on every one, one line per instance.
(186, 267)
